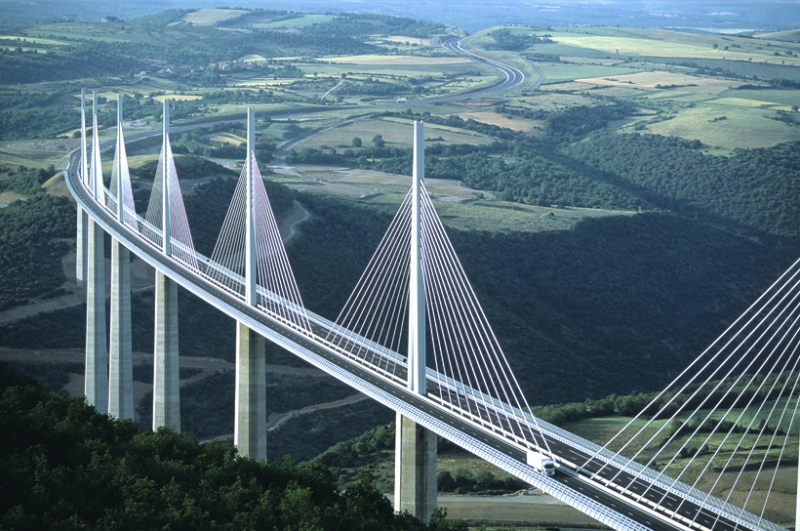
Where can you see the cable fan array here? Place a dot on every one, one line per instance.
(472, 375)
(372, 324)
(280, 296)
(121, 174)
(731, 410)
(181, 237)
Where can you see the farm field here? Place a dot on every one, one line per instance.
(210, 17)
(677, 48)
(727, 124)
(9, 39)
(781, 500)
(459, 206)
(300, 21)
(558, 72)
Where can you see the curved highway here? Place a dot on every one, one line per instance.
(514, 77)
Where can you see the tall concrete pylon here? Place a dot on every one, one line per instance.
(250, 421)
(83, 218)
(96, 386)
(251, 271)
(166, 371)
(120, 391)
(415, 447)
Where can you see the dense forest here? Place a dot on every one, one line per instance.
(750, 188)
(64, 466)
(31, 247)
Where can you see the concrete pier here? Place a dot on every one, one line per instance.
(166, 373)
(414, 469)
(81, 248)
(96, 345)
(250, 421)
(120, 384)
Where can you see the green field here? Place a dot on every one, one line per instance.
(300, 21)
(559, 72)
(33, 40)
(780, 508)
(210, 17)
(743, 126)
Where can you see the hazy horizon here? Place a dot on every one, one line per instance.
(730, 16)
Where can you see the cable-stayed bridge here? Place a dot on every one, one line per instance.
(413, 303)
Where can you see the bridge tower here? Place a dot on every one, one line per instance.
(96, 385)
(120, 391)
(166, 375)
(415, 447)
(83, 217)
(250, 421)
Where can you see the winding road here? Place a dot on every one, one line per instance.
(514, 77)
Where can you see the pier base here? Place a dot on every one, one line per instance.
(96, 387)
(250, 422)
(166, 373)
(414, 469)
(120, 377)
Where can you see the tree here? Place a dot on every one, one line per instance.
(378, 141)
(356, 142)
(445, 481)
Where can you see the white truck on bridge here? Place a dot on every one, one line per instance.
(542, 463)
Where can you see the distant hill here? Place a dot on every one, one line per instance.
(792, 35)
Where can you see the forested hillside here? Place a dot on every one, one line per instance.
(31, 246)
(64, 466)
(754, 188)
